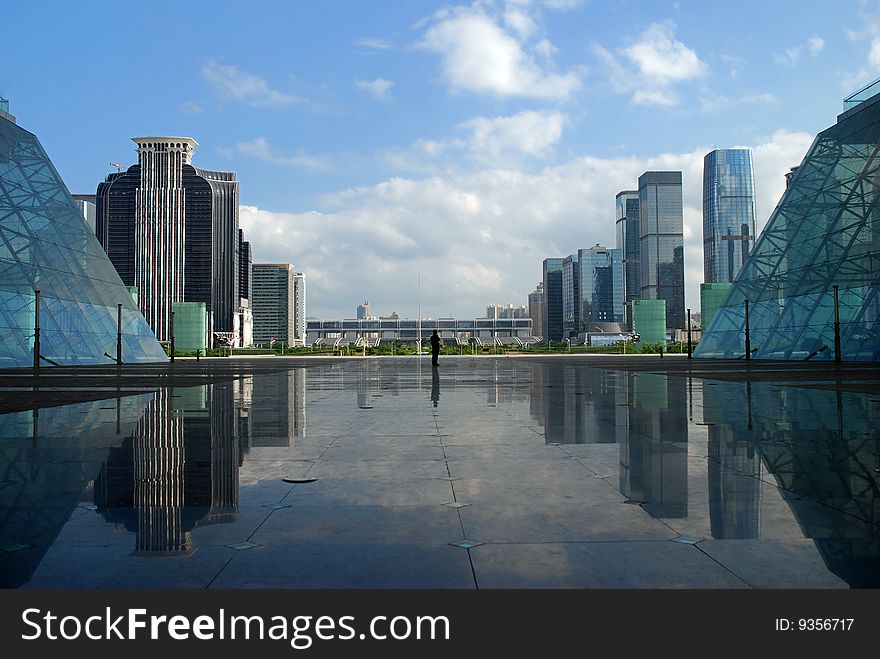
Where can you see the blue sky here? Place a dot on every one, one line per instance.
(464, 141)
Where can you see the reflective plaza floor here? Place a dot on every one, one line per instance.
(483, 473)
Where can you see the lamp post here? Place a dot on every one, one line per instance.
(172, 337)
(689, 335)
(837, 355)
(748, 340)
(119, 334)
(37, 329)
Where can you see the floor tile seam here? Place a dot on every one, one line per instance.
(219, 572)
(723, 566)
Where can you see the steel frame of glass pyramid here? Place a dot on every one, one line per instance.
(46, 246)
(825, 232)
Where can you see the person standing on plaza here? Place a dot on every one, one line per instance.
(435, 348)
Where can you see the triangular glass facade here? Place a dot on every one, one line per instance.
(46, 245)
(824, 232)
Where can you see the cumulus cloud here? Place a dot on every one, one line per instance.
(654, 64)
(379, 88)
(480, 236)
(234, 84)
(493, 53)
(790, 57)
(504, 142)
(260, 149)
(190, 107)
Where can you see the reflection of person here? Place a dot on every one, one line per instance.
(435, 348)
(435, 386)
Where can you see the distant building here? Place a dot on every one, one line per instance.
(728, 213)
(364, 310)
(601, 287)
(86, 205)
(661, 234)
(487, 330)
(536, 309)
(275, 302)
(552, 268)
(629, 244)
(506, 311)
(571, 297)
(171, 230)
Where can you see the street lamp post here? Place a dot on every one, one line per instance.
(37, 329)
(837, 355)
(689, 335)
(748, 340)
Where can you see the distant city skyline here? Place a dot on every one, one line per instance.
(379, 146)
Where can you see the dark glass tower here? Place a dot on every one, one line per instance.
(629, 244)
(661, 233)
(245, 267)
(553, 299)
(171, 230)
(728, 213)
(571, 296)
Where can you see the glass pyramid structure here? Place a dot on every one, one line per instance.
(46, 245)
(825, 232)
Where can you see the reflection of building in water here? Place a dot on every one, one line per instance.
(578, 405)
(653, 450)
(734, 474)
(179, 469)
(822, 447)
(278, 408)
(47, 460)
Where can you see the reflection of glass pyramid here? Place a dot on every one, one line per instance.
(824, 232)
(46, 245)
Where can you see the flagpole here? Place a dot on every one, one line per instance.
(419, 319)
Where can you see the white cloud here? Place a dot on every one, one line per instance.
(660, 57)
(505, 141)
(480, 236)
(190, 107)
(260, 149)
(379, 88)
(869, 31)
(237, 85)
(657, 62)
(479, 54)
(790, 57)
(375, 44)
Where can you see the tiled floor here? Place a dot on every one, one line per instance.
(566, 476)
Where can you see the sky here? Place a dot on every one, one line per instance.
(383, 143)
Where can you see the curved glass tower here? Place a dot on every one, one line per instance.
(728, 213)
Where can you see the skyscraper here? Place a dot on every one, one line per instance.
(536, 309)
(571, 296)
(553, 299)
(601, 287)
(661, 235)
(278, 304)
(629, 244)
(364, 311)
(86, 205)
(245, 267)
(728, 213)
(171, 230)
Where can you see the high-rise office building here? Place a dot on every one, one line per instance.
(245, 267)
(48, 248)
(299, 310)
(86, 205)
(571, 296)
(661, 235)
(278, 304)
(536, 309)
(553, 299)
(629, 244)
(506, 311)
(171, 230)
(364, 311)
(601, 287)
(728, 213)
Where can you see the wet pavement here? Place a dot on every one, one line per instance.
(483, 473)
